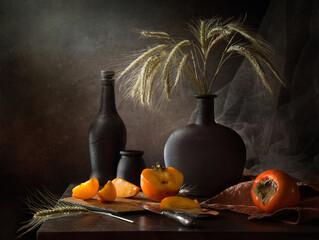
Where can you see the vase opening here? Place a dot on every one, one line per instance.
(198, 96)
(131, 153)
(205, 109)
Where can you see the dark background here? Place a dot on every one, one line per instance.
(52, 53)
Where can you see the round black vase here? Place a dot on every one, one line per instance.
(131, 166)
(210, 156)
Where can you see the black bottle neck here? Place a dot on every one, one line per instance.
(205, 110)
(108, 98)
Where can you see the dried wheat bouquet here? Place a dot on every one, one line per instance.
(159, 69)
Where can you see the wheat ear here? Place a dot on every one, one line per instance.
(202, 34)
(46, 206)
(147, 67)
(180, 69)
(255, 41)
(214, 31)
(143, 57)
(165, 74)
(242, 50)
(151, 34)
(151, 79)
(136, 87)
(220, 37)
(272, 68)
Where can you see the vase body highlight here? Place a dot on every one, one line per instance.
(107, 134)
(210, 156)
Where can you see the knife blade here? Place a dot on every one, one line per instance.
(183, 218)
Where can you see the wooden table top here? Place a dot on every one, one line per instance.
(147, 225)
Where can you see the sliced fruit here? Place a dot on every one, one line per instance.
(177, 202)
(161, 182)
(86, 190)
(125, 188)
(107, 193)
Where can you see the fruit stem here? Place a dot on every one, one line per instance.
(158, 167)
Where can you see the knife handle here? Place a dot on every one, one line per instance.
(182, 218)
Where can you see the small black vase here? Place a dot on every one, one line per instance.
(131, 166)
(210, 156)
(107, 134)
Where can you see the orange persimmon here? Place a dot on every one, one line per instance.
(177, 202)
(107, 193)
(273, 190)
(87, 189)
(161, 182)
(124, 188)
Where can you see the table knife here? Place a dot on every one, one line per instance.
(183, 218)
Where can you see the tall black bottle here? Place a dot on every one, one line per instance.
(107, 134)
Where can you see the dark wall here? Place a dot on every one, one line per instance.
(51, 56)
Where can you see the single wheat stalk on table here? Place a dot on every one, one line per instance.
(43, 205)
